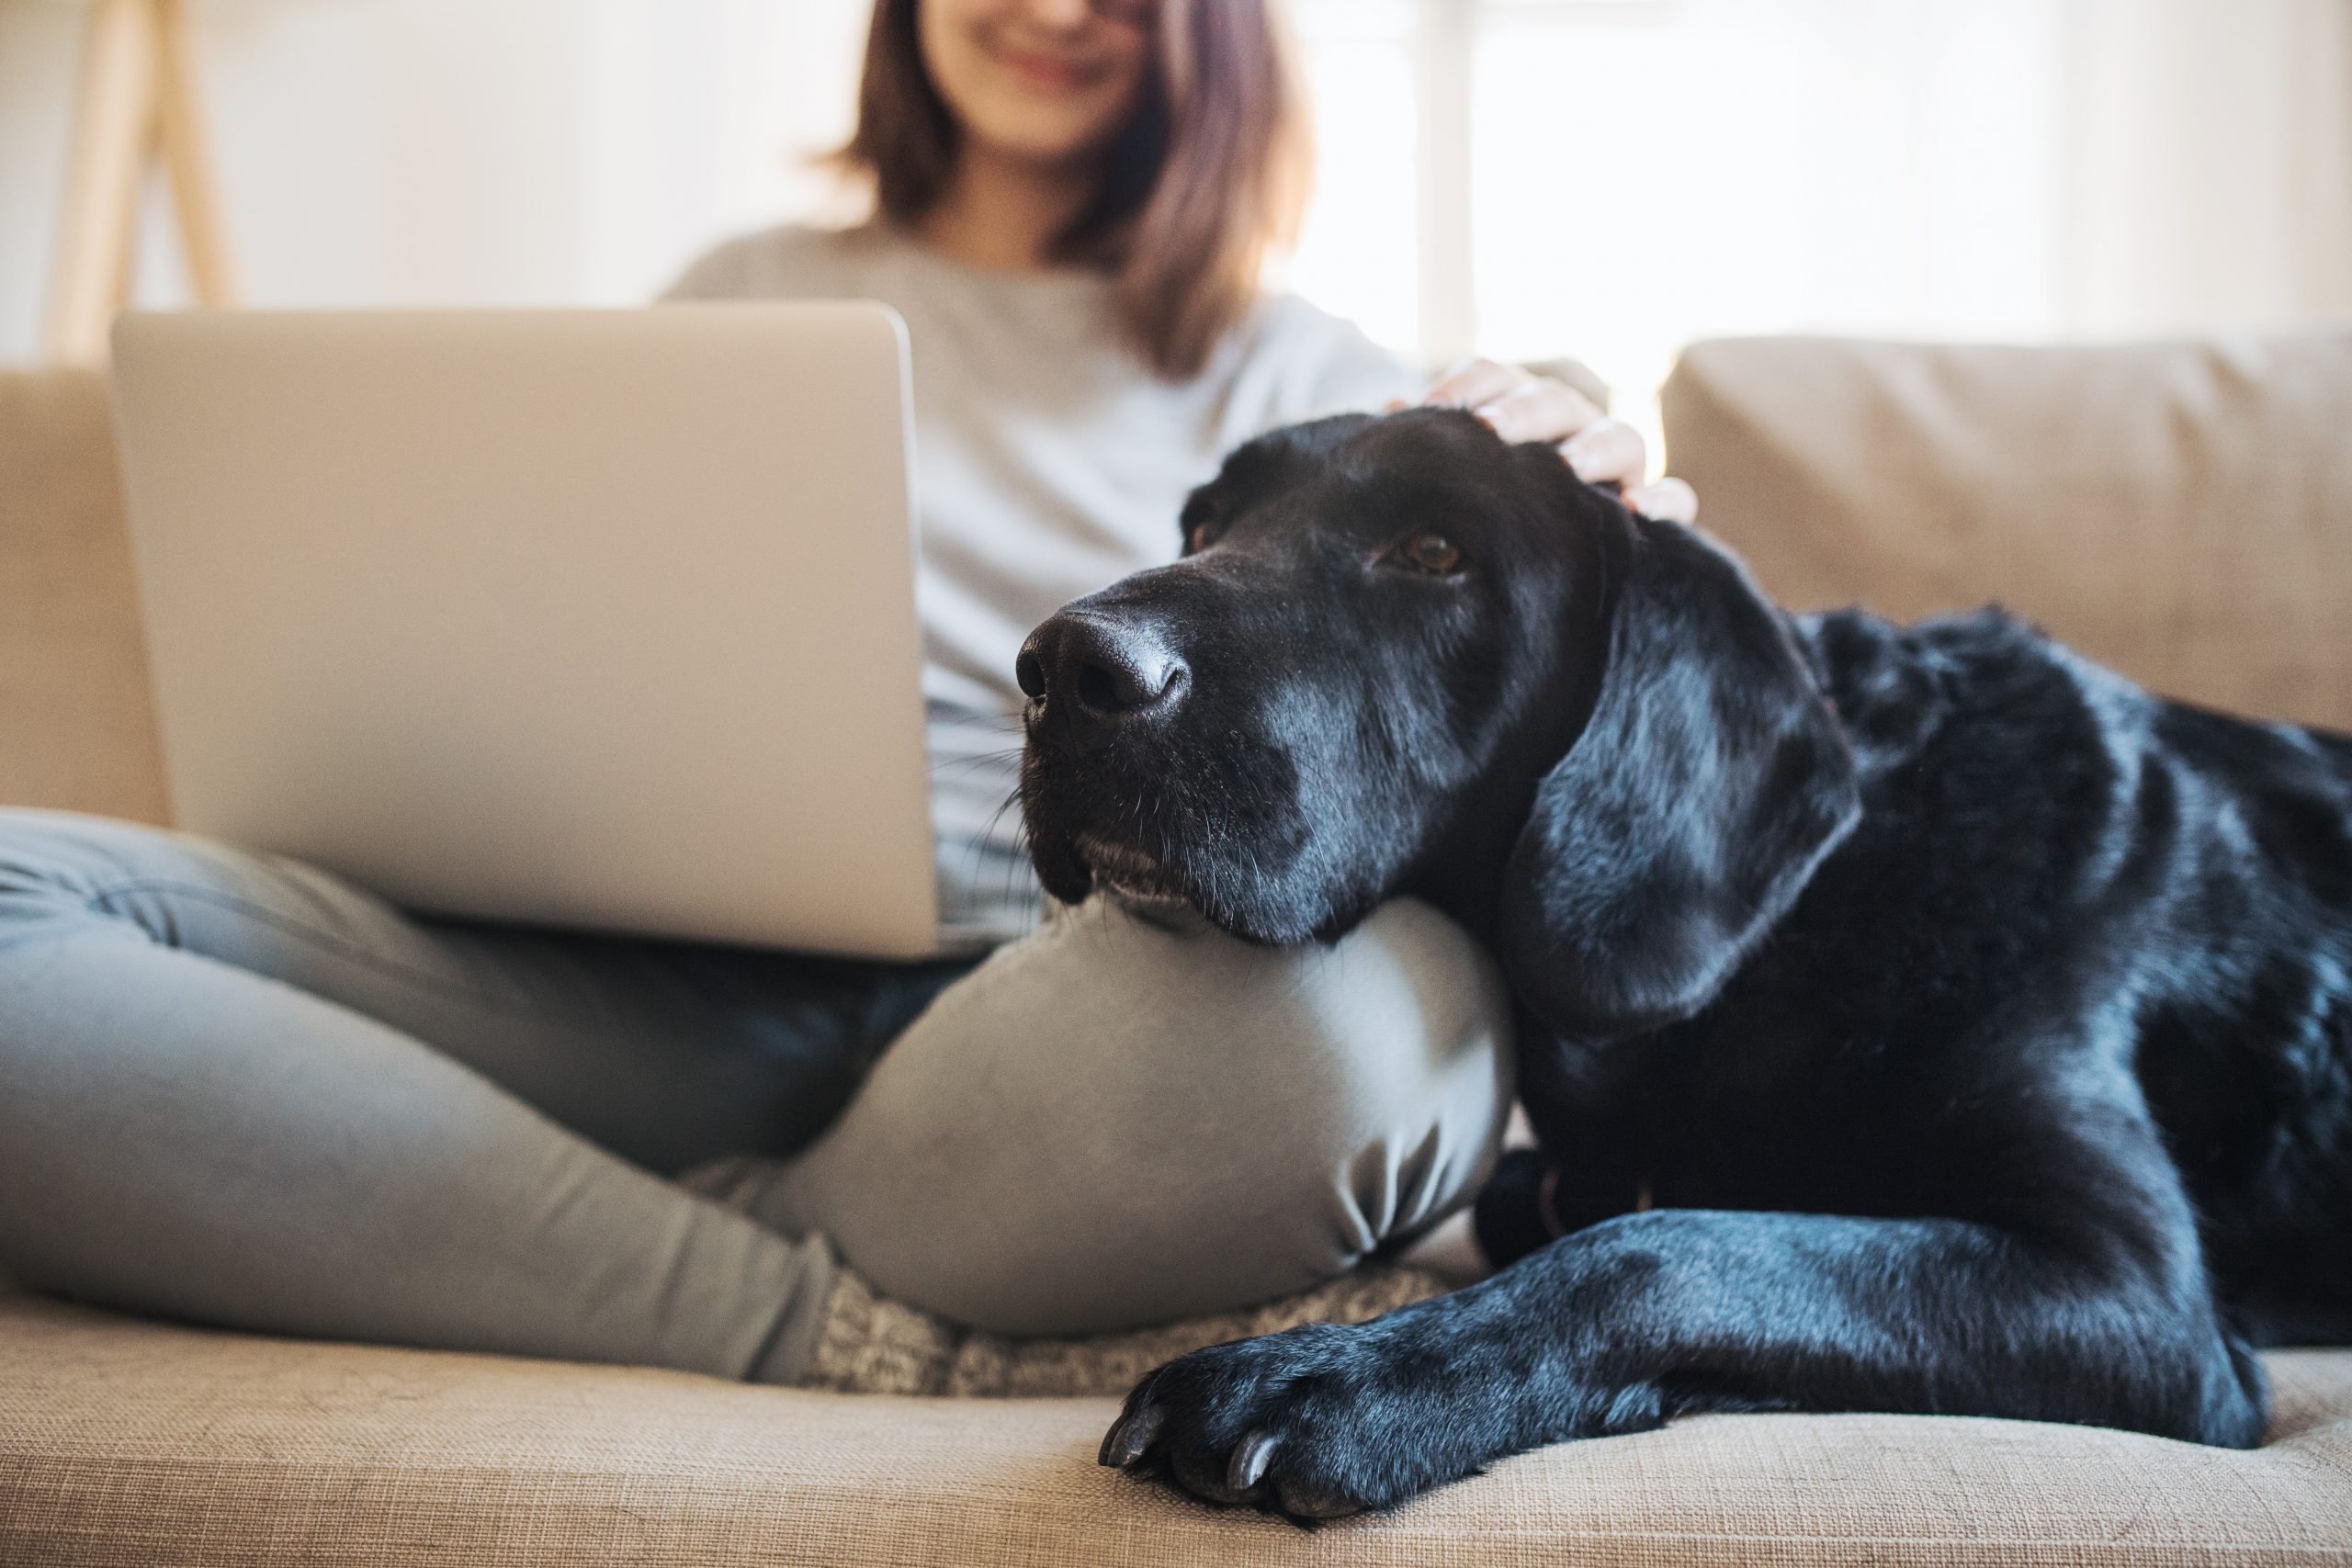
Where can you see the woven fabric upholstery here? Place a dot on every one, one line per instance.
(124, 1443)
(2179, 512)
(76, 728)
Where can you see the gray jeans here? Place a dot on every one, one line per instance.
(237, 1090)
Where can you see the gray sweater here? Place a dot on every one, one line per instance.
(1049, 462)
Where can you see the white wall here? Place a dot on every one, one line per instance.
(454, 150)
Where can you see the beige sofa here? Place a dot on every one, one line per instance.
(2185, 513)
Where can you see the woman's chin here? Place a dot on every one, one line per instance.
(1058, 135)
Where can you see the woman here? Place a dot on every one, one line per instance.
(241, 1091)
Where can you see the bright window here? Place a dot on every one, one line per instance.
(1612, 178)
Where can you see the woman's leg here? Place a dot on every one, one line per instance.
(237, 1090)
(1127, 1119)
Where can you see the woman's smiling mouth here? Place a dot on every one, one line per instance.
(1045, 74)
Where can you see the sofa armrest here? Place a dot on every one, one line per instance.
(77, 725)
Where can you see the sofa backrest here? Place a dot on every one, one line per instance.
(2179, 512)
(77, 729)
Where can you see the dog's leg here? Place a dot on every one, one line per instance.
(1643, 1318)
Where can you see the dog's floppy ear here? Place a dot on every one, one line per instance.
(1708, 783)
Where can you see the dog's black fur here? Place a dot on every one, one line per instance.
(1913, 1019)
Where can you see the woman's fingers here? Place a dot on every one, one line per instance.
(1607, 451)
(1475, 384)
(1542, 410)
(1668, 501)
(1523, 406)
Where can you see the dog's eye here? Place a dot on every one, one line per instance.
(1203, 521)
(1432, 553)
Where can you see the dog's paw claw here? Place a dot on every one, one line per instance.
(1130, 1437)
(1300, 1423)
(1250, 1457)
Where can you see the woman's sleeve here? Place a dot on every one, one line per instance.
(1334, 367)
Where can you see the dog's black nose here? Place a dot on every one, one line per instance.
(1094, 674)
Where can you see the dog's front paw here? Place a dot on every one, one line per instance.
(1314, 1423)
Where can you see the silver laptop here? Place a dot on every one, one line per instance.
(599, 619)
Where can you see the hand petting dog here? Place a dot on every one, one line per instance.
(1599, 449)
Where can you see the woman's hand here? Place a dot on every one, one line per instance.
(1524, 406)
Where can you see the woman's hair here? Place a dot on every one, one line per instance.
(1210, 172)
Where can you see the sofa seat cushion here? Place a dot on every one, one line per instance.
(2181, 512)
(126, 1442)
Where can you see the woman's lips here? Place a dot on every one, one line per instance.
(1043, 73)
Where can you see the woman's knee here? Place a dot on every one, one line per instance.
(1122, 1122)
(1371, 1077)
(62, 873)
(56, 868)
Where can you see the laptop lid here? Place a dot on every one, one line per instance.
(599, 619)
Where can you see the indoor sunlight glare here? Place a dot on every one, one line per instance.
(1642, 173)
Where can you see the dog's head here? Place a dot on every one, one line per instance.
(1399, 656)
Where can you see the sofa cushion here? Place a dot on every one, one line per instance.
(124, 1442)
(77, 729)
(2180, 512)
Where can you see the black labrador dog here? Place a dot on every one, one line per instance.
(1913, 1019)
